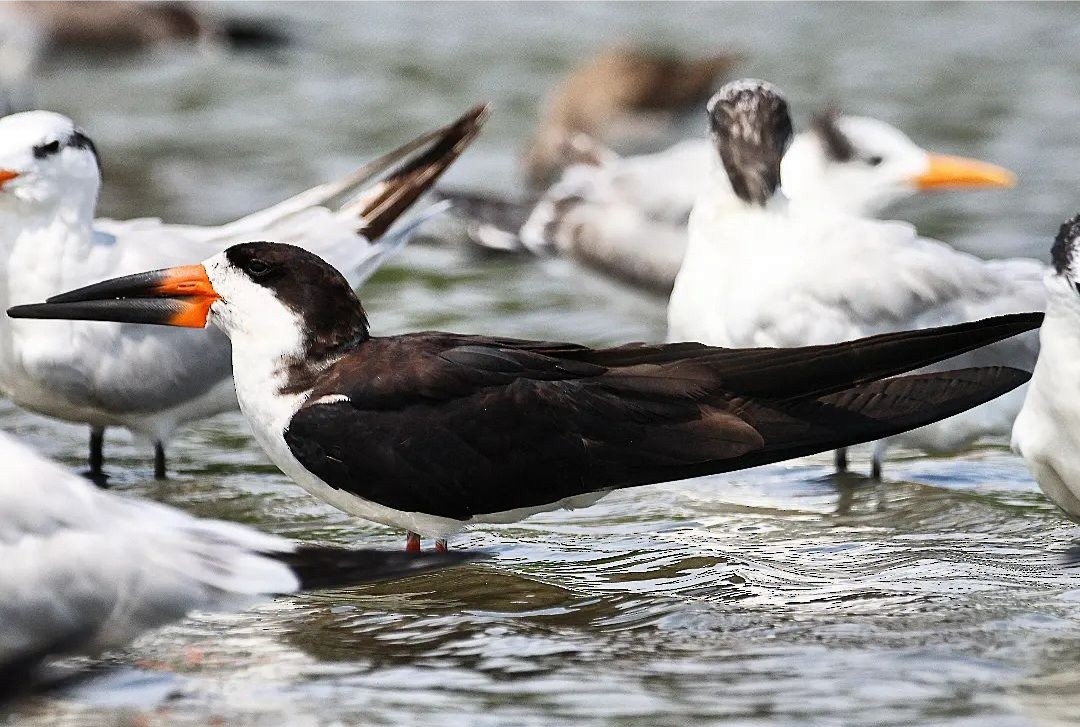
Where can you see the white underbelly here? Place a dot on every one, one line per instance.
(430, 526)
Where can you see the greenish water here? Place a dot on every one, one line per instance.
(782, 595)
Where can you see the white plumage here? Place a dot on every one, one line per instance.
(86, 570)
(627, 215)
(1047, 431)
(147, 380)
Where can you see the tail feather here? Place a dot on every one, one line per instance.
(807, 371)
(488, 209)
(818, 370)
(489, 222)
(859, 414)
(342, 193)
(382, 204)
(320, 567)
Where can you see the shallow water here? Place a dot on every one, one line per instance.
(950, 595)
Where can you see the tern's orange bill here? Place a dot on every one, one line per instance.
(6, 175)
(950, 172)
(179, 296)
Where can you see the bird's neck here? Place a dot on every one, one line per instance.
(276, 364)
(719, 217)
(1055, 381)
(44, 248)
(1047, 430)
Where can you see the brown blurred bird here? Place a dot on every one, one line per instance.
(617, 83)
(108, 26)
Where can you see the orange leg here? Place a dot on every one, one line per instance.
(412, 542)
(440, 546)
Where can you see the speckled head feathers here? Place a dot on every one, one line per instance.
(751, 127)
(1061, 254)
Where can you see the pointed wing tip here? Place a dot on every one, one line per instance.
(36, 310)
(1013, 377)
(321, 567)
(478, 114)
(380, 206)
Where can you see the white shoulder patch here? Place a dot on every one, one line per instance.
(330, 399)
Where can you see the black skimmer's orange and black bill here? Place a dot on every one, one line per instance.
(433, 431)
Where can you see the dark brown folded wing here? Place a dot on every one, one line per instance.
(459, 426)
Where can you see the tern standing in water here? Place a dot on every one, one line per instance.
(760, 271)
(153, 381)
(1047, 432)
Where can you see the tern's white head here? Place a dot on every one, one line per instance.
(859, 166)
(46, 161)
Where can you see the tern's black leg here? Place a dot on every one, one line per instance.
(159, 461)
(878, 462)
(412, 542)
(840, 460)
(97, 451)
(97, 458)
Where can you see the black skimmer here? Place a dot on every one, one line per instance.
(434, 431)
(760, 271)
(87, 570)
(152, 382)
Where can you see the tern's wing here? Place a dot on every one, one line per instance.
(85, 562)
(347, 222)
(657, 188)
(840, 279)
(87, 570)
(626, 217)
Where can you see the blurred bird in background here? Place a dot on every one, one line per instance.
(619, 92)
(31, 32)
(762, 271)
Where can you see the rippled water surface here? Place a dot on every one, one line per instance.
(949, 595)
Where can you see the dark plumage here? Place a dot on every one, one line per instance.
(1062, 251)
(459, 426)
(751, 127)
(837, 145)
(319, 567)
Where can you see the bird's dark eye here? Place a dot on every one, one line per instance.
(43, 150)
(874, 161)
(257, 268)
